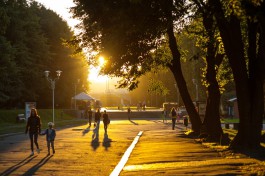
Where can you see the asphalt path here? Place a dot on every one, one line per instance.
(81, 150)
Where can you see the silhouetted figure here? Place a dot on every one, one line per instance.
(34, 129)
(50, 137)
(174, 117)
(97, 117)
(106, 120)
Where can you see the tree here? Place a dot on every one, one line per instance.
(128, 33)
(241, 26)
(29, 45)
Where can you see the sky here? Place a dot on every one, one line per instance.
(62, 8)
(98, 84)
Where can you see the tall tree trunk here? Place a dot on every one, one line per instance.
(248, 90)
(256, 70)
(175, 67)
(211, 121)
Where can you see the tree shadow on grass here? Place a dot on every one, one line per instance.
(33, 169)
(18, 165)
(258, 153)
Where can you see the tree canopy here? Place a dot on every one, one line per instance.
(30, 44)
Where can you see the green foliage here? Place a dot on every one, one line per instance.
(196, 31)
(126, 33)
(31, 41)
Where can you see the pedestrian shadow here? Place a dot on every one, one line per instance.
(95, 137)
(106, 141)
(85, 131)
(17, 166)
(133, 122)
(95, 143)
(33, 169)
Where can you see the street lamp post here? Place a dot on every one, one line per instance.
(196, 86)
(52, 81)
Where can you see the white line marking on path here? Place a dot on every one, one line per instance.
(126, 156)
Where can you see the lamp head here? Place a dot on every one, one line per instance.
(46, 73)
(58, 72)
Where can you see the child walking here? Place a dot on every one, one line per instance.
(50, 136)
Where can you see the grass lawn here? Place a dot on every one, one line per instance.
(8, 120)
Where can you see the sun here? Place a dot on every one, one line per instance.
(101, 61)
(93, 75)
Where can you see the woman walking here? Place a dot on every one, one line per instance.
(174, 117)
(34, 129)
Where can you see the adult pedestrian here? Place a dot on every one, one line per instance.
(97, 117)
(106, 120)
(34, 129)
(174, 117)
(90, 116)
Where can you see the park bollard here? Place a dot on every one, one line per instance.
(185, 121)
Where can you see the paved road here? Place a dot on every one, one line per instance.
(76, 151)
(160, 151)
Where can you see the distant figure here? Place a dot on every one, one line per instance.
(129, 113)
(90, 116)
(34, 129)
(106, 120)
(50, 136)
(144, 105)
(174, 117)
(165, 114)
(97, 118)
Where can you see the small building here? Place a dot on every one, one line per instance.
(233, 108)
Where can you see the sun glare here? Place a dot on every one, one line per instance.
(101, 61)
(94, 75)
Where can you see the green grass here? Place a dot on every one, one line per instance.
(125, 108)
(229, 120)
(8, 120)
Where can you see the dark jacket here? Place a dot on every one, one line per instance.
(106, 119)
(49, 137)
(33, 125)
(97, 116)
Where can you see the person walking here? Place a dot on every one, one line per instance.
(174, 117)
(50, 136)
(97, 117)
(106, 120)
(34, 129)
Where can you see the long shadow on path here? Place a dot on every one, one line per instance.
(17, 166)
(106, 141)
(85, 131)
(33, 169)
